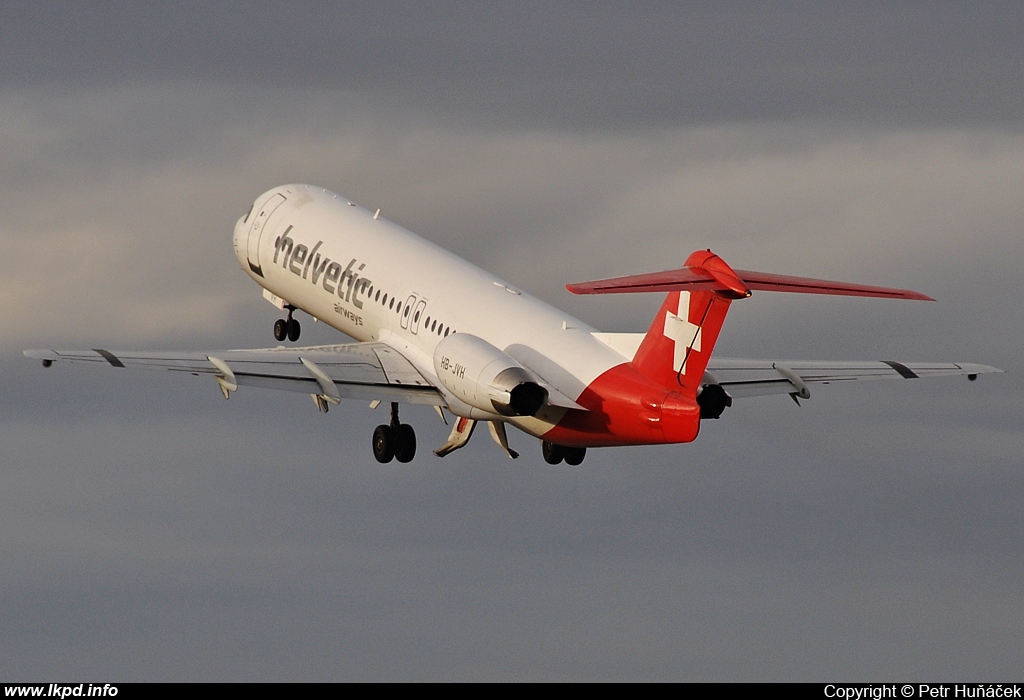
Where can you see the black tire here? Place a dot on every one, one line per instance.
(383, 444)
(405, 445)
(574, 455)
(553, 454)
(280, 330)
(294, 330)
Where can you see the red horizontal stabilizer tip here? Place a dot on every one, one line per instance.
(729, 284)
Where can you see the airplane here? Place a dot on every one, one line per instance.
(433, 329)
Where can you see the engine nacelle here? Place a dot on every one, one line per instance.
(713, 401)
(486, 378)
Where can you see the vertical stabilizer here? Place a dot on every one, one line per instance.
(682, 336)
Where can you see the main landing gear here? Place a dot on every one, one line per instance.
(287, 327)
(554, 454)
(395, 441)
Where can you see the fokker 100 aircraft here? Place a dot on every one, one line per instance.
(433, 329)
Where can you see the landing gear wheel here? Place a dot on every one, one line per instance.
(553, 454)
(280, 330)
(287, 327)
(405, 449)
(383, 444)
(574, 455)
(394, 441)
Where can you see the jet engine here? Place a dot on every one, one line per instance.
(487, 378)
(713, 401)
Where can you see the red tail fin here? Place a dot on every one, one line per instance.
(678, 345)
(680, 340)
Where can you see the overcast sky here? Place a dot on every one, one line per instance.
(151, 531)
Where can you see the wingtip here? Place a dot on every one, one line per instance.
(48, 357)
(973, 369)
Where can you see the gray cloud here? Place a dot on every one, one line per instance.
(568, 65)
(914, 208)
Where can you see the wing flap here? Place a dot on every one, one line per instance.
(366, 371)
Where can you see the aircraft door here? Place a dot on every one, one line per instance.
(259, 223)
(407, 314)
(414, 322)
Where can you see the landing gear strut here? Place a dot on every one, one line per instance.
(394, 441)
(554, 454)
(287, 327)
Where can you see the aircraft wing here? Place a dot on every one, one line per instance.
(742, 378)
(367, 371)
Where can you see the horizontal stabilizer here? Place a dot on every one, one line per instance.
(767, 282)
(708, 277)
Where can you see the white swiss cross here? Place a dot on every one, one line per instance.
(683, 334)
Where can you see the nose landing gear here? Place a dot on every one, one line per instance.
(287, 327)
(394, 441)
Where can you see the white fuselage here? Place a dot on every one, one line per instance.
(375, 281)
